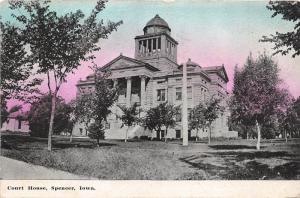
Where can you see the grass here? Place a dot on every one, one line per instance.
(155, 160)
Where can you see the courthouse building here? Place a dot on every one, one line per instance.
(152, 77)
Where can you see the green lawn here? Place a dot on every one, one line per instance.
(155, 160)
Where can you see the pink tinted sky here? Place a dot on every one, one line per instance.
(209, 32)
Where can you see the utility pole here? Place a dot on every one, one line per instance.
(184, 107)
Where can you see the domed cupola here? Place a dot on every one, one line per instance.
(157, 25)
(156, 46)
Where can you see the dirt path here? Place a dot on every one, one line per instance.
(14, 169)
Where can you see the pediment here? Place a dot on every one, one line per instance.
(123, 62)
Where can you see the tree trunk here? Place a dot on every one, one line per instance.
(98, 142)
(247, 133)
(209, 135)
(166, 134)
(159, 133)
(197, 134)
(71, 137)
(126, 133)
(258, 135)
(53, 106)
(285, 136)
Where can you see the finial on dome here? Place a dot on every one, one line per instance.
(121, 54)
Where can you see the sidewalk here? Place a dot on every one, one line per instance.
(14, 169)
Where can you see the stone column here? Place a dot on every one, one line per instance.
(128, 91)
(152, 43)
(143, 90)
(115, 80)
(147, 46)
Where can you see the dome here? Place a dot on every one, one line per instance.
(190, 63)
(157, 21)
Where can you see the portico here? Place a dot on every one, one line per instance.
(134, 90)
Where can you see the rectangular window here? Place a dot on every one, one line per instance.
(159, 43)
(140, 46)
(189, 93)
(178, 134)
(178, 93)
(178, 117)
(161, 95)
(19, 124)
(189, 113)
(162, 133)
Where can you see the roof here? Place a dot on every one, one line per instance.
(147, 65)
(217, 69)
(156, 34)
(18, 114)
(157, 21)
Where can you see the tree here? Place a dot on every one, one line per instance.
(197, 119)
(153, 120)
(104, 97)
(16, 71)
(270, 128)
(291, 120)
(212, 112)
(169, 112)
(96, 131)
(58, 44)
(38, 116)
(162, 115)
(129, 117)
(238, 110)
(256, 93)
(93, 108)
(83, 109)
(285, 42)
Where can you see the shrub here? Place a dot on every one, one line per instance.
(96, 131)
